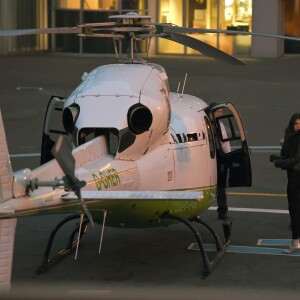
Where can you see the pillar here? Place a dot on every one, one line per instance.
(267, 17)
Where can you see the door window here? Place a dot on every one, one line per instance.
(232, 150)
(211, 141)
(228, 130)
(230, 137)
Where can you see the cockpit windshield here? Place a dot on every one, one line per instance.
(111, 136)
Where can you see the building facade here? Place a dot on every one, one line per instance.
(270, 16)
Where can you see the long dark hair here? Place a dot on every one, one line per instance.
(290, 128)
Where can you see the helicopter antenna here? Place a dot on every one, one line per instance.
(183, 84)
(102, 230)
(116, 49)
(178, 87)
(148, 48)
(132, 43)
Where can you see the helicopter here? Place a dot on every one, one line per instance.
(122, 150)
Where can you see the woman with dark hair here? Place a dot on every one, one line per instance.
(290, 161)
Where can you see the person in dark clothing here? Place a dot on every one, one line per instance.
(222, 203)
(290, 161)
(221, 191)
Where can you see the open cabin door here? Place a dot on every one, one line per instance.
(53, 127)
(233, 155)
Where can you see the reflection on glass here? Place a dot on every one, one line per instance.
(137, 5)
(237, 15)
(134, 4)
(211, 14)
(170, 11)
(88, 4)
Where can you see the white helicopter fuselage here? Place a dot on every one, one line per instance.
(144, 157)
(173, 154)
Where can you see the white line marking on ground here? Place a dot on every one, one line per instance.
(28, 88)
(245, 249)
(256, 210)
(85, 293)
(265, 147)
(25, 155)
(274, 242)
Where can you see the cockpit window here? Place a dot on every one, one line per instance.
(111, 136)
(113, 141)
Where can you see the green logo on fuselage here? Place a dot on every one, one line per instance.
(107, 178)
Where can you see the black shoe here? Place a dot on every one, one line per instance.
(222, 217)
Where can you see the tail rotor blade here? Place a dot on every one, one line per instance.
(62, 152)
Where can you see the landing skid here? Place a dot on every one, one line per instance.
(73, 240)
(71, 246)
(220, 247)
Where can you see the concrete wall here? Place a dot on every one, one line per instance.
(267, 17)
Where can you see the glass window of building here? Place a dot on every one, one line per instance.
(236, 15)
(292, 25)
(88, 4)
(212, 14)
(170, 11)
(16, 14)
(72, 12)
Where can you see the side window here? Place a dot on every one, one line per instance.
(211, 140)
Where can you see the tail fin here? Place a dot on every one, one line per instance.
(6, 177)
(7, 226)
(7, 238)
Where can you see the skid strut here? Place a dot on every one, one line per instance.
(72, 242)
(220, 247)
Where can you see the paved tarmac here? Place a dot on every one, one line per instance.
(154, 263)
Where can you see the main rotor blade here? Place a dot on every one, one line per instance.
(62, 152)
(175, 29)
(204, 48)
(57, 30)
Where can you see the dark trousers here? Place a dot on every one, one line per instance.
(222, 201)
(293, 193)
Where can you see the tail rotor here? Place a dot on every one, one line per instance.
(62, 152)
